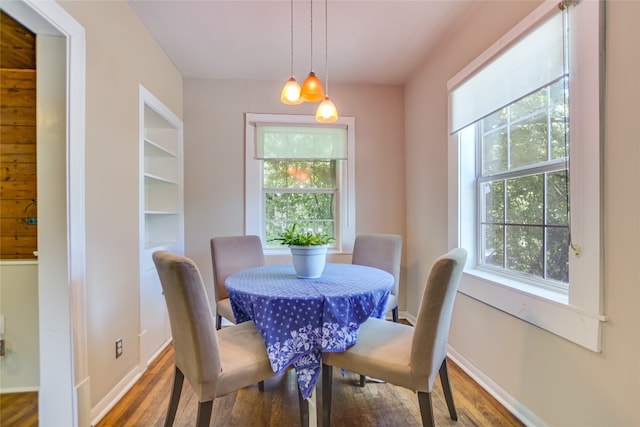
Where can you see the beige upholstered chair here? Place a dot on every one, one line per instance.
(230, 255)
(214, 362)
(403, 355)
(383, 251)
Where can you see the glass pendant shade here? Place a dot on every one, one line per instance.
(291, 92)
(326, 112)
(312, 89)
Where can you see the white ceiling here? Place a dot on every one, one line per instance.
(373, 41)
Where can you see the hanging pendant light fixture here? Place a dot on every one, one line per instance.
(312, 87)
(326, 112)
(291, 91)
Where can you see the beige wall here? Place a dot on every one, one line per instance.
(214, 157)
(121, 54)
(561, 383)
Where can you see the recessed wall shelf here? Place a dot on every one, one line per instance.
(161, 215)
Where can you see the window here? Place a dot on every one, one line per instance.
(299, 172)
(525, 181)
(523, 226)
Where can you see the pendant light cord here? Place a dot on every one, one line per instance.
(326, 47)
(311, 26)
(291, 15)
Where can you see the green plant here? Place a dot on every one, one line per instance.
(292, 237)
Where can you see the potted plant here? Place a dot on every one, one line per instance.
(308, 251)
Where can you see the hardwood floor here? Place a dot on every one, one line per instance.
(377, 404)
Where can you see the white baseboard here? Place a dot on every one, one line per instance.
(19, 390)
(115, 394)
(512, 405)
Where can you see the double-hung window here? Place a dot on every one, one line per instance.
(525, 181)
(299, 172)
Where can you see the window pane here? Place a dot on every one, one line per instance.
(529, 141)
(558, 254)
(310, 211)
(524, 249)
(493, 201)
(557, 211)
(558, 110)
(299, 174)
(525, 200)
(495, 151)
(493, 245)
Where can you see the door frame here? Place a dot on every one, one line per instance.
(64, 378)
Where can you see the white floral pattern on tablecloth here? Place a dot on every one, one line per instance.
(301, 318)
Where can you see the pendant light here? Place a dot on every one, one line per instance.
(312, 87)
(291, 90)
(326, 112)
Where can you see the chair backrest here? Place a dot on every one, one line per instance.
(429, 347)
(194, 336)
(383, 251)
(232, 254)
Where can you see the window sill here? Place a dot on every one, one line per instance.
(547, 309)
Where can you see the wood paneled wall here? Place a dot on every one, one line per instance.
(18, 191)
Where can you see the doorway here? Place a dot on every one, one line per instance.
(61, 215)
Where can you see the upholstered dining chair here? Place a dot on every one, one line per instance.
(214, 362)
(383, 251)
(403, 355)
(230, 255)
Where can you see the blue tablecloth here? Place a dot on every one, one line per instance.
(301, 318)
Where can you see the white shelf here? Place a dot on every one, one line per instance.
(161, 214)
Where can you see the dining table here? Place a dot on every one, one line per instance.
(301, 318)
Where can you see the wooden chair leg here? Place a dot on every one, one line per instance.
(446, 388)
(327, 382)
(204, 413)
(218, 322)
(178, 380)
(394, 314)
(426, 409)
(304, 409)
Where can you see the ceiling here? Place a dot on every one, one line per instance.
(373, 41)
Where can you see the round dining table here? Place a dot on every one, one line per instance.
(301, 318)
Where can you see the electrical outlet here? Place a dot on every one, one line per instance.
(118, 347)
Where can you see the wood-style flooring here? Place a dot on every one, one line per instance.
(377, 404)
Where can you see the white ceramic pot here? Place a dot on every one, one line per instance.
(308, 261)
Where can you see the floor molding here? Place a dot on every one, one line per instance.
(508, 401)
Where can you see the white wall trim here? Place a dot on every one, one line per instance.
(505, 399)
(64, 331)
(115, 394)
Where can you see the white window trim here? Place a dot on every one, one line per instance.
(576, 315)
(253, 180)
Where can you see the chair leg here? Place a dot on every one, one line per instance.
(304, 409)
(261, 386)
(218, 321)
(394, 314)
(327, 381)
(363, 380)
(204, 413)
(446, 388)
(426, 409)
(178, 380)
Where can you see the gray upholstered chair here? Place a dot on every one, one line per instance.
(403, 355)
(214, 362)
(230, 255)
(383, 251)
